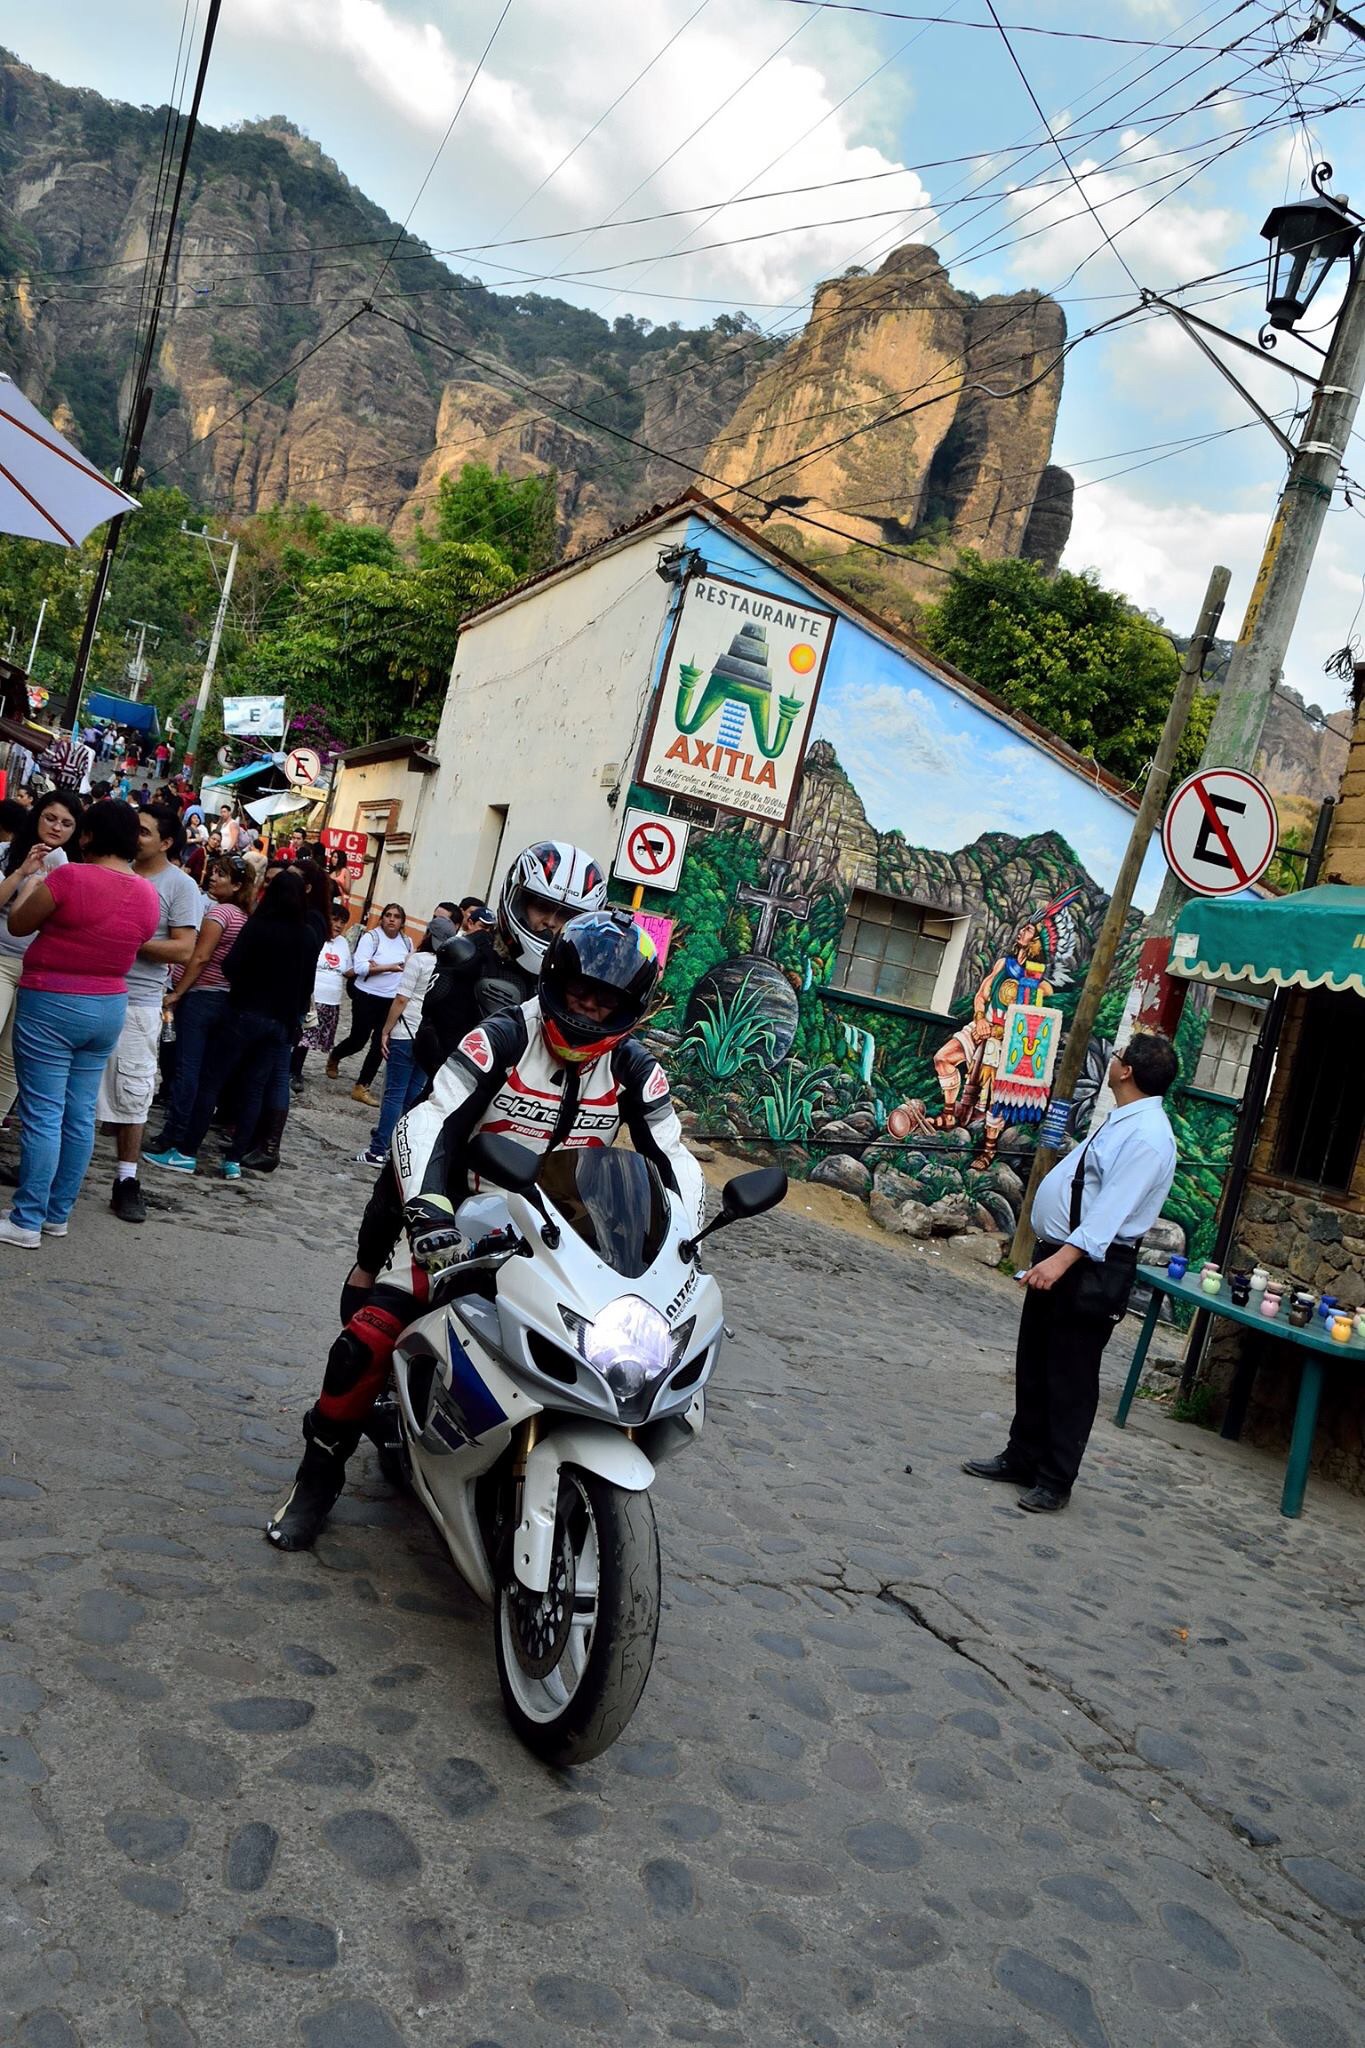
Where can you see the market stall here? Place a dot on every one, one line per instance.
(1296, 1207)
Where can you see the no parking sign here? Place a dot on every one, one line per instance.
(1220, 831)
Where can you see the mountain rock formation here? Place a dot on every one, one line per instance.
(951, 463)
(277, 287)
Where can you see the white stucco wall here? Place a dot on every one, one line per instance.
(405, 795)
(545, 697)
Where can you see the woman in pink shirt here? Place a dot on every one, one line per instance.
(90, 919)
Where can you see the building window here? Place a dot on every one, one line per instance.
(896, 951)
(1324, 1110)
(1234, 1026)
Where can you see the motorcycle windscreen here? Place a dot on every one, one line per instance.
(615, 1201)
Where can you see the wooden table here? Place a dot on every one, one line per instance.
(1313, 1340)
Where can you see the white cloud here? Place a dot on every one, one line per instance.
(1161, 553)
(409, 63)
(1163, 246)
(542, 89)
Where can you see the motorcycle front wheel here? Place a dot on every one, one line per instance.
(573, 1662)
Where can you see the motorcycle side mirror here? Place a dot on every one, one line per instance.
(513, 1168)
(507, 1164)
(752, 1194)
(748, 1194)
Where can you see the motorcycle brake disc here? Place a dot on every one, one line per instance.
(541, 1621)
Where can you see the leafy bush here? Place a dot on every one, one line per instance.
(788, 1107)
(731, 1035)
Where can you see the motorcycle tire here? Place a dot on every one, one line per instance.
(620, 1649)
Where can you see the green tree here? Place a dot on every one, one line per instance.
(1067, 652)
(369, 647)
(515, 515)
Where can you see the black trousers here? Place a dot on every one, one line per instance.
(1056, 1386)
(368, 1013)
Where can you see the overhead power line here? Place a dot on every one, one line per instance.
(605, 115)
(1052, 137)
(440, 147)
(1022, 28)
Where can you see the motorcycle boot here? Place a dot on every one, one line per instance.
(298, 1520)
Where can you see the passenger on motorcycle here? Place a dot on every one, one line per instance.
(560, 1070)
(545, 886)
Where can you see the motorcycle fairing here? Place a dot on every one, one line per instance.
(463, 1408)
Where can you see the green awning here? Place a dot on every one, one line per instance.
(1313, 939)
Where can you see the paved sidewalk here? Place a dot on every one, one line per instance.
(912, 1766)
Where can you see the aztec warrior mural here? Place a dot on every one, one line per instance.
(886, 1010)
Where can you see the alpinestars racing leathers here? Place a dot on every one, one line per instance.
(501, 1078)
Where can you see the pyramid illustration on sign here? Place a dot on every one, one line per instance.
(740, 689)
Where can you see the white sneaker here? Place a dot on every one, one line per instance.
(15, 1234)
(55, 1229)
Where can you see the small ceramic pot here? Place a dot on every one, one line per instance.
(1270, 1305)
(1177, 1266)
(1341, 1329)
(1211, 1281)
(1300, 1315)
(1360, 1327)
(1260, 1280)
(1327, 1307)
(1241, 1296)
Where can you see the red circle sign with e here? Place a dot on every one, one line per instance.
(1220, 831)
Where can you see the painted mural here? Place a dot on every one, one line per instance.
(920, 1103)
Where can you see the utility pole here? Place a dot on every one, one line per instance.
(206, 682)
(137, 667)
(32, 652)
(1116, 916)
(1272, 611)
(141, 404)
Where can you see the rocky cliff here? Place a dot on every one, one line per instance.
(885, 421)
(277, 377)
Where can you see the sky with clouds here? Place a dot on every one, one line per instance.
(1183, 123)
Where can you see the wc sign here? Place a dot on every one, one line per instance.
(1220, 831)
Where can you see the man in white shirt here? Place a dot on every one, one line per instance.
(1096, 1205)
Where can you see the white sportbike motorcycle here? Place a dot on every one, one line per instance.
(562, 1358)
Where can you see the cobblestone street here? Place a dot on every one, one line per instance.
(912, 1766)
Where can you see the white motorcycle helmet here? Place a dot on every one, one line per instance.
(545, 886)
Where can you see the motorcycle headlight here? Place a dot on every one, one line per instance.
(630, 1344)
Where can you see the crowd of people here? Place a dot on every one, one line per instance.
(149, 951)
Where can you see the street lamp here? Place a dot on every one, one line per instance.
(1305, 240)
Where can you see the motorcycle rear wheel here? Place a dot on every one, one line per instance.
(598, 1622)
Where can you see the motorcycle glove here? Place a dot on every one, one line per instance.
(433, 1234)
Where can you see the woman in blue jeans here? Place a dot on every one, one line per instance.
(270, 981)
(404, 1080)
(90, 918)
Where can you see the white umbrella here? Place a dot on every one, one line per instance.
(278, 806)
(48, 491)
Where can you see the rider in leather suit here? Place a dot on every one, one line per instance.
(562, 1070)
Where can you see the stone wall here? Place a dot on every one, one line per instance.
(1298, 1234)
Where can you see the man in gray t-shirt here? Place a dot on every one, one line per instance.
(128, 1084)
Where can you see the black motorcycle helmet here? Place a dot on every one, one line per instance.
(597, 984)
